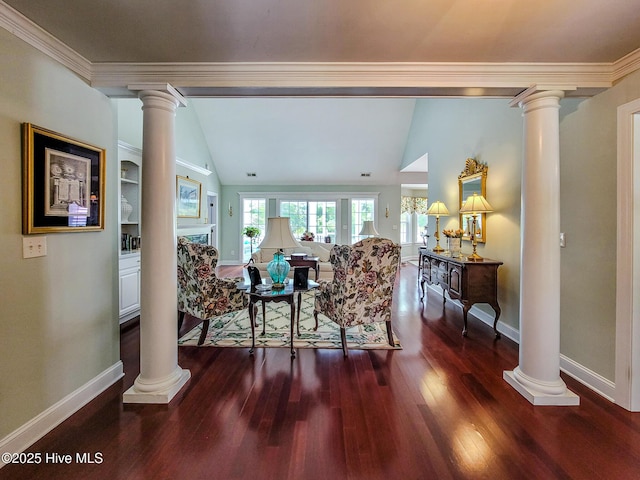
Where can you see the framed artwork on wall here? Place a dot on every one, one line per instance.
(63, 186)
(188, 194)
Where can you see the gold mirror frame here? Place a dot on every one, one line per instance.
(473, 179)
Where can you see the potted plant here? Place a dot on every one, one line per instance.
(252, 233)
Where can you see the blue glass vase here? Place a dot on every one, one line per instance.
(278, 269)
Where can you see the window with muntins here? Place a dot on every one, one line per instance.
(361, 209)
(254, 214)
(317, 217)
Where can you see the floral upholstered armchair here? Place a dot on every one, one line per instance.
(362, 288)
(200, 293)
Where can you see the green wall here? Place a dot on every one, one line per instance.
(452, 130)
(588, 159)
(491, 131)
(59, 313)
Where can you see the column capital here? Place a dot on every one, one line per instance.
(540, 91)
(159, 88)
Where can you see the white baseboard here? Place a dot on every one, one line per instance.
(506, 330)
(588, 378)
(36, 428)
(229, 262)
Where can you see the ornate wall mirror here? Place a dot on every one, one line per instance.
(473, 179)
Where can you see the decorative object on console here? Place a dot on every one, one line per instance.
(125, 209)
(475, 205)
(438, 209)
(279, 237)
(454, 241)
(368, 229)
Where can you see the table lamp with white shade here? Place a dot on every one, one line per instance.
(475, 205)
(438, 209)
(368, 229)
(279, 237)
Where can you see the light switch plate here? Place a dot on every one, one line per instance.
(34, 247)
(563, 242)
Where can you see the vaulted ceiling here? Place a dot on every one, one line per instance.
(332, 49)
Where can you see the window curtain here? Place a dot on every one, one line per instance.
(413, 205)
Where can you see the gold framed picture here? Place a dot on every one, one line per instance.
(188, 194)
(63, 183)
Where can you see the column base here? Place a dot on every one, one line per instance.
(164, 393)
(567, 398)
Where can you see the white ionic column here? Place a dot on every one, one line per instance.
(160, 376)
(537, 377)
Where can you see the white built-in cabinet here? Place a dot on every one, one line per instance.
(130, 159)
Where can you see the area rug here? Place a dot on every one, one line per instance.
(234, 330)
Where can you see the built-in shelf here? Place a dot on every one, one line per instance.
(129, 262)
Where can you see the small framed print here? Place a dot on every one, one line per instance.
(63, 183)
(187, 197)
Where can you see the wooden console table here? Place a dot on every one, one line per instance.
(466, 281)
(311, 262)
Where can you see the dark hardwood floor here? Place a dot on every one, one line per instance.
(438, 409)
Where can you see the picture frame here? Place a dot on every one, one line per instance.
(188, 195)
(63, 183)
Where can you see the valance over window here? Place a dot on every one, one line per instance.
(413, 204)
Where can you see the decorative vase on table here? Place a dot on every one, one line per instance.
(278, 269)
(455, 245)
(125, 209)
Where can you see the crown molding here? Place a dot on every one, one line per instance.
(129, 148)
(626, 65)
(23, 28)
(451, 79)
(472, 76)
(193, 167)
(179, 161)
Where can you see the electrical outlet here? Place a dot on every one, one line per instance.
(233, 252)
(34, 247)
